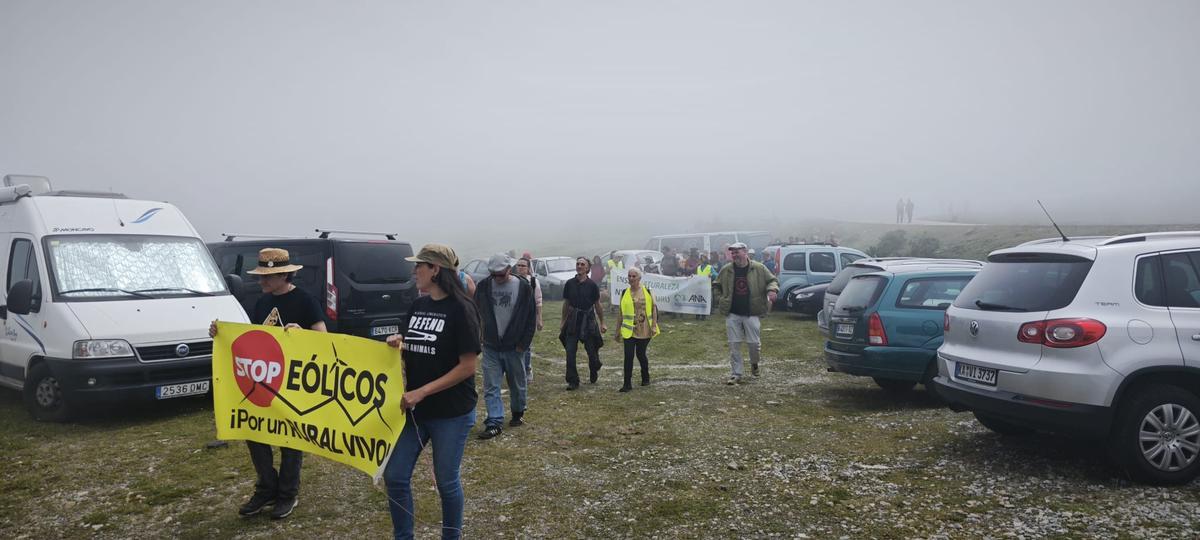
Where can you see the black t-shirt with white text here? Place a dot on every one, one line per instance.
(438, 332)
(740, 304)
(294, 306)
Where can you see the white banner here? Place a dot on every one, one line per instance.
(691, 294)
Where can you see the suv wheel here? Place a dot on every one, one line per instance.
(1157, 435)
(894, 386)
(1003, 427)
(44, 398)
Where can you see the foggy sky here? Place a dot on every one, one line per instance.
(452, 120)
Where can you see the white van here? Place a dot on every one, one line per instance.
(708, 242)
(105, 298)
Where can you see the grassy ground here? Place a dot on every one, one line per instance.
(796, 453)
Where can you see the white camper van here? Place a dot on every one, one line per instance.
(105, 298)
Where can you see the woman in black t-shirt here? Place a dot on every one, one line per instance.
(441, 346)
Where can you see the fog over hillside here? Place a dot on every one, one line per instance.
(503, 123)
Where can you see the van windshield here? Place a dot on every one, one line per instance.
(560, 265)
(1023, 283)
(87, 267)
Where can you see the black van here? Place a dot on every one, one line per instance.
(365, 285)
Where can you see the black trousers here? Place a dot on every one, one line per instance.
(284, 484)
(638, 346)
(572, 347)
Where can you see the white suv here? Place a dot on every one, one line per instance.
(1098, 337)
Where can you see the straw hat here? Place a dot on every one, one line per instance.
(274, 261)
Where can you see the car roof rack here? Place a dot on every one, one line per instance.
(1060, 240)
(325, 233)
(1142, 237)
(229, 237)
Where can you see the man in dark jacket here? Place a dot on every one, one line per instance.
(509, 316)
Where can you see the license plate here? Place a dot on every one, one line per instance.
(385, 330)
(975, 374)
(845, 329)
(179, 390)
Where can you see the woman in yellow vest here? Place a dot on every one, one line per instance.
(639, 323)
(706, 270)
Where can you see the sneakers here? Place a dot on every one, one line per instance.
(732, 380)
(573, 386)
(489, 432)
(517, 419)
(257, 502)
(645, 381)
(283, 508)
(625, 388)
(595, 375)
(754, 369)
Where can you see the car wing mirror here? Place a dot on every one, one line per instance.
(234, 282)
(944, 306)
(20, 298)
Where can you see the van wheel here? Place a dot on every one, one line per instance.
(894, 386)
(1003, 427)
(44, 398)
(1157, 435)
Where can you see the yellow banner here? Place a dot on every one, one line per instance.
(332, 395)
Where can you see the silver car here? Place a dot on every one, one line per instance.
(1098, 337)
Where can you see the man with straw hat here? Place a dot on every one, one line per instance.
(282, 304)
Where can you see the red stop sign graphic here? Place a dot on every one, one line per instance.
(258, 366)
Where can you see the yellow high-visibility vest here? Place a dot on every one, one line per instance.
(704, 270)
(628, 317)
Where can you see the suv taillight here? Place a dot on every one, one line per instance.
(946, 322)
(1062, 333)
(331, 292)
(875, 333)
(778, 265)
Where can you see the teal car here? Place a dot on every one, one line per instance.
(888, 324)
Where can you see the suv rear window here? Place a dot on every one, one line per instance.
(374, 263)
(1025, 282)
(843, 278)
(862, 292)
(931, 293)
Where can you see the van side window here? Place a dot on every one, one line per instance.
(1182, 281)
(794, 262)
(848, 258)
(822, 261)
(22, 264)
(1148, 282)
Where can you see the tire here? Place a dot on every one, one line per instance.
(1002, 427)
(44, 398)
(927, 381)
(1168, 418)
(894, 386)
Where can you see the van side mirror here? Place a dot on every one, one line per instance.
(20, 297)
(234, 282)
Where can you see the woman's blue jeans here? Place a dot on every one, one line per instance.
(448, 437)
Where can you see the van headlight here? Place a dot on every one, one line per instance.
(101, 348)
